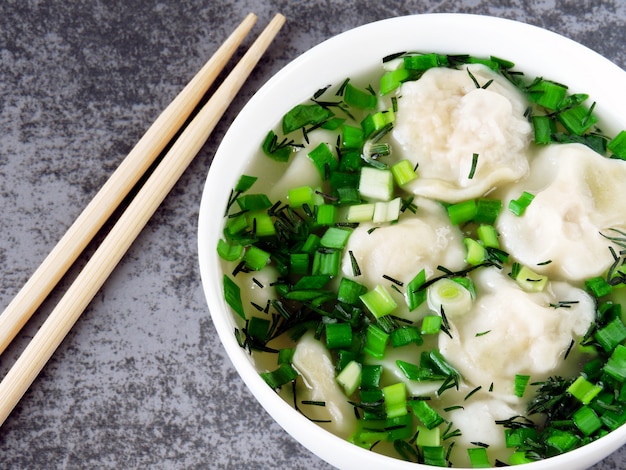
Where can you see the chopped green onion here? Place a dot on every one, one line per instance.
(428, 437)
(425, 413)
(616, 364)
(462, 212)
(350, 377)
(611, 335)
(403, 172)
(475, 253)
(232, 295)
(518, 458)
(326, 263)
(272, 149)
(530, 281)
(488, 235)
(254, 202)
(335, 237)
(478, 457)
(562, 441)
(323, 159)
(521, 381)
(285, 355)
(258, 328)
(583, 390)
(326, 214)
(387, 211)
(577, 119)
(517, 437)
(373, 123)
(405, 335)
(376, 184)
(378, 301)
(338, 335)
(392, 80)
(598, 286)
(450, 297)
(422, 62)
(229, 251)
(260, 223)
(435, 456)
(618, 145)
(245, 182)
(395, 399)
(350, 291)
(352, 137)
(298, 263)
(518, 206)
(279, 377)
(375, 341)
(360, 212)
(301, 196)
(370, 375)
(544, 128)
(302, 115)
(414, 295)
(487, 210)
(256, 258)
(431, 325)
(311, 244)
(547, 93)
(359, 98)
(587, 420)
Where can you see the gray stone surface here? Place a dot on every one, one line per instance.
(142, 380)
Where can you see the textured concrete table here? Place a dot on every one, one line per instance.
(142, 380)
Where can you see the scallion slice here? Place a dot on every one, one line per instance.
(375, 341)
(425, 413)
(379, 301)
(618, 145)
(462, 212)
(232, 295)
(376, 184)
(338, 335)
(518, 206)
(350, 377)
(449, 296)
(403, 172)
(428, 437)
(478, 457)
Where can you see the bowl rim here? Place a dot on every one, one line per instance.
(551, 52)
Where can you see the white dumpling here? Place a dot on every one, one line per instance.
(510, 331)
(312, 360)
(401, 250)
(575, 201)
(476, 421)
(443, 119)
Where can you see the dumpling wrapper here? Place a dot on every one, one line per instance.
(510, 331)
(443, 119)
(576, 200)
(401, 250)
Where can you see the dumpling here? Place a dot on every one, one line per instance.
(510, 331)
(575, 201)
(315, 365)
(401, 250)
(443, 119)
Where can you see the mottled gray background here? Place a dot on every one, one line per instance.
(142, 380)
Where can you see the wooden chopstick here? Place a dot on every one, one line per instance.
(127, 228)
(102, 206)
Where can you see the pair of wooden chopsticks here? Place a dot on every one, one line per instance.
(134, 218)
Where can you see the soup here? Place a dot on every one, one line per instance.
(431, 268)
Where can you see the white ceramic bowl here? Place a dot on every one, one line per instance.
(534, 51)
